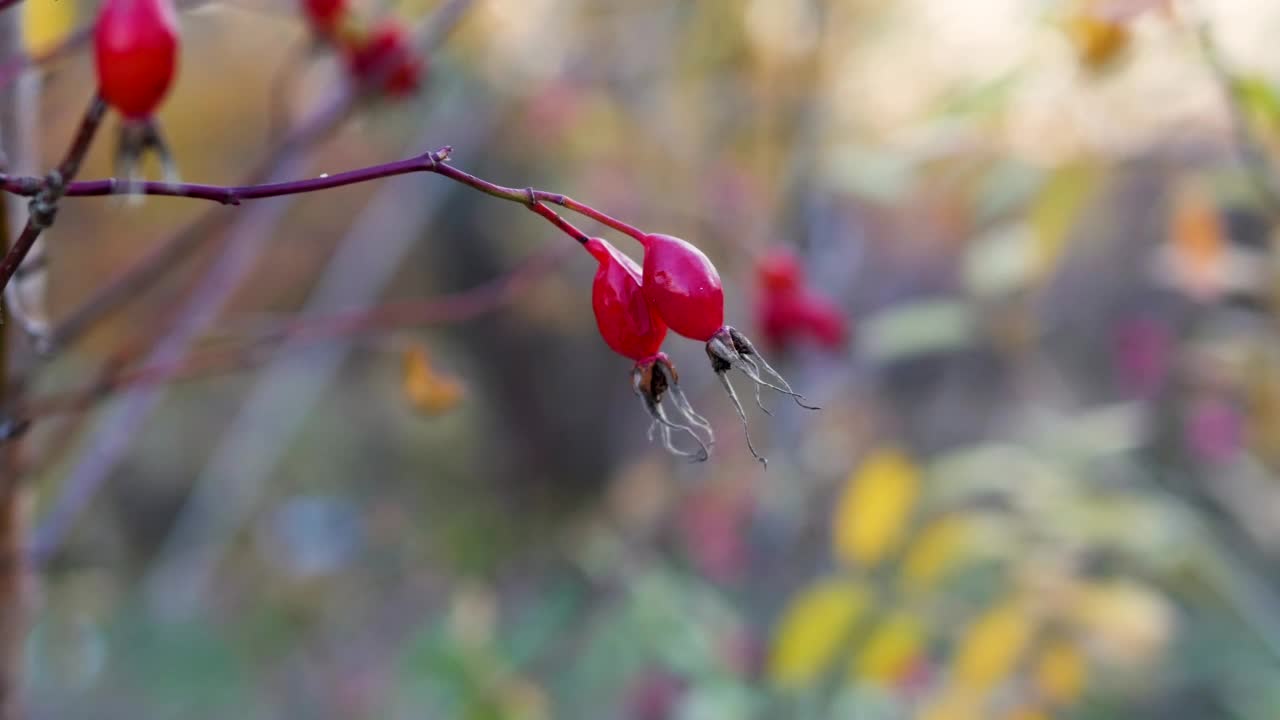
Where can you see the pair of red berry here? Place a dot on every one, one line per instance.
(678, 288)
(381, 57)
(136, 46)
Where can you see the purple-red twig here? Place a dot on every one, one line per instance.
(433, 162)
(168, 254)
(44, 203)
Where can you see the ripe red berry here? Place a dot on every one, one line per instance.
(633, 329)
(786, 319)
(386, 57)
(626, 322)
(683, 286)
(324, 15)
(136, 52)
(779, 270)
(787, 311)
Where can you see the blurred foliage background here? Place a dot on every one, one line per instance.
(1043, 483)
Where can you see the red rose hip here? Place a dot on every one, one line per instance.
(683, 286)
(632, 328)
(386, 58)
(626, 322)
(324, 14)
(136, 54)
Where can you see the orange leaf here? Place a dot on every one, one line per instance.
(1196, 255)
(1098, 40)
(428, 390)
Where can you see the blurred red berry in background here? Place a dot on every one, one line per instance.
(788, 312)
(386, 57)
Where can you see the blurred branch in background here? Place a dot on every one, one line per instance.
(285, 392)
(1039, 300)
(245, 238)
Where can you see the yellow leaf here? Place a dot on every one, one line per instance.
(46, 23)
(1126, 624)
(427, 389)
(1055, 208)
(521, 699)
(812, 630)
(954, 703)
(891, 649)
(993, 645)
(874, 508)
(1098, 37)
(1060, 672)
(934, 551)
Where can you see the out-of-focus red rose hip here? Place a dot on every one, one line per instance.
(387, 53)
(788, 311)
(779, 270)
(324, 15)
(136, 53)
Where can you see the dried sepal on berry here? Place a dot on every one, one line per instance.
(137, 138)
(654, 379)
(731, 350)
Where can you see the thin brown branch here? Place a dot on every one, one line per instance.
(44, 205)
(166, 256)
(14, 583)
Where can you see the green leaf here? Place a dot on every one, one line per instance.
(1259, 98)
(918, 328)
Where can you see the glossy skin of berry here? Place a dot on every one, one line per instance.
(626, 321)
(387, 49)
(683, 286)
(136, 53)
